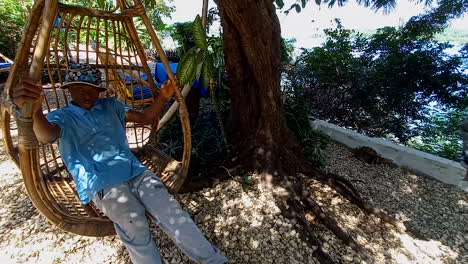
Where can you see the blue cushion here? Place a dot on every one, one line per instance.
(142, 92)
(131, 80)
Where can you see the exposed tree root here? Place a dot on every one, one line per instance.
(295, 202)
(347, 190)
(335, 228)
(291, 207)
(291, 192)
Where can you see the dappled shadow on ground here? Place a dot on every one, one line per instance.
(435, 213)
(247, 227)
(244, 224)
(27, 237)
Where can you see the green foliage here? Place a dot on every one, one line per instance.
(378, 85)
(314, 142)
(198, 61)
(298, 5)
(188, 65)
(279, 3)
(182, 34)
(199, 34)
(427, 25)
(297, 113)
(13, 16)
(287, 49)
(208, 147)
(441, 134)
(207, 70)
(247, 180)
(155, 10)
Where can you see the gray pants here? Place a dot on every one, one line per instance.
(126, 204)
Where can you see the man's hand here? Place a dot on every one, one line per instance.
(28, 91)
(167, 89)
(153, 112)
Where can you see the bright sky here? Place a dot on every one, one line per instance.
(306, 25)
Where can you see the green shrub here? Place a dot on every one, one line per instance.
(13, 16)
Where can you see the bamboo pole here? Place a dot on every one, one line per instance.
(141, 53)
(204, 12)
(22, 53)
(6, 134)
(28, 147)
(42, 45)
(171, 111)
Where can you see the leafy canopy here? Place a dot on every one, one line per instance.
(13, 15)
(381, 84)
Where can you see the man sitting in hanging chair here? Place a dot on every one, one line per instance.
(94, 147)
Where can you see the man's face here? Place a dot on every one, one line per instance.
(84, 96)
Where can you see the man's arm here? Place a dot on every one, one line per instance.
(46, 132)
(154, 111)
(30, 92)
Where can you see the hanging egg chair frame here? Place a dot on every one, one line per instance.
(56, 36)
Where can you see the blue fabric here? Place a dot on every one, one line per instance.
(5, 64)
(132, 80)
(138, 95)
(160, 76)
(94, 146)
(198, 84)
(57, 21)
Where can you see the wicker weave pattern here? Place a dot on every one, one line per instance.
(55, 38)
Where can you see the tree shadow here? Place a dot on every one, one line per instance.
(244, 224)
(433, 212)
(28, 237)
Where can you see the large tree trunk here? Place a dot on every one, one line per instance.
(257, 131)
(258, 135)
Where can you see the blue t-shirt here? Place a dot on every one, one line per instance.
(94, 146)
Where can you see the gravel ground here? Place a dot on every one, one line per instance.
(247, 228)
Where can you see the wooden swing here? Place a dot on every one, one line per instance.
(56, 36)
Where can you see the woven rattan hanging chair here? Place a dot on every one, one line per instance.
(57, 36)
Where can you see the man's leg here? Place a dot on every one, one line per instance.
(128, 214)
(174, 220)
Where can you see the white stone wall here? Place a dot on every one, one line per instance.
(442, 169)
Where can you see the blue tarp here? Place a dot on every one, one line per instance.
(160, 76)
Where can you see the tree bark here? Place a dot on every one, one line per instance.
(257, 131)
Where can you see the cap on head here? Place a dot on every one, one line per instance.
(84, 74)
